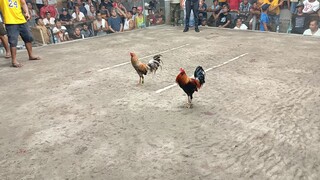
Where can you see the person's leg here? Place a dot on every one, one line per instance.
(27, 38)
(188, 11)
(195, 9)
(13, 34)
(4, 40)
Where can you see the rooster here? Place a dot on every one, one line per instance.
(190, 85)
(142, 68)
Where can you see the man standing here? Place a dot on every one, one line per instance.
(16, 24)
(4, 38)
(194, 5)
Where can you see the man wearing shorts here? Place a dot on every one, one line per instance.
(4, 38)
(16, 24)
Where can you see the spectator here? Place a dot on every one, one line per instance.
(203, 9)
(77, 33)
(39, 4)
(33, 15)
(240, 25)
(60, 32)
(48, 8)
(140, 19)
(215, 8)
(100, 25)
(224, 18)
(299, 11)
(245, 7)
(222, 2)
(274, 12)
(77, 15)
(313, 29)
(86, 32)
(114, 22)
(65, 17)
(151, 18)
(254, 15)
(82, 9)
(292, 6)
(264, 19)
(128, 23)
(134, 11)
(91, 13)
(105, 11)
(70, 6)
(160, 18)
(234, 5)
(90, 4)
(107, 4)
(48, 20)
(45, 31)
(310, 6)
(4, 38)
(298, 20)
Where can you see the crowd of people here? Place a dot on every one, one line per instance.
(263, 15)
(87, 18)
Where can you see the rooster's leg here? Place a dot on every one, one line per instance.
(142, 79)
(189, 102)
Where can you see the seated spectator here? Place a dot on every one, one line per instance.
(82, 9)
(134, 11)
(244, 6)
(45, 31)
(240, 25)
(298, 20)
(313, 29)
(203, 9)
(299, 7)
(128, 23)
(310, 6)
(264, 18)
(90, 4)
(151, 18)
(254, 15)
(60, 32)
(91, 13)
(48, 8)
(107, 4)
(105, 11)
(159, 18)
(215, 8)
(86, 32)
(140, 19)
(224, 18)
(77, 33)
(33, 13)
(65, 17)
(100, 25)
(114, 22)
(78, 16)
(48, 20)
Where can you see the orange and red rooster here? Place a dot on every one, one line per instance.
(190, 85)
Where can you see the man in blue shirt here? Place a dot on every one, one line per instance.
(264, 19)
(114, 22)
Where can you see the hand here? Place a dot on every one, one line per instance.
(26, 14)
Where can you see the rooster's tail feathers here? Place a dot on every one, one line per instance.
(200, 74)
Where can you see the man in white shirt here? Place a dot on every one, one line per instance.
(49, 20)
(310, 6)
(240, 25)
(314, 29)
(77, 15)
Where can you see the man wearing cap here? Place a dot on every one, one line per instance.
(264, 19)
(194, 6)
(16, 24)
(65, 17)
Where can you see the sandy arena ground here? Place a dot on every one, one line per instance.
(79, 113)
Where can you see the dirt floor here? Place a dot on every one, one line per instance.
(79, 113)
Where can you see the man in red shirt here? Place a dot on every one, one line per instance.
(46, 8)
(234, 4)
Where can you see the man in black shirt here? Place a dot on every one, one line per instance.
(65, 17)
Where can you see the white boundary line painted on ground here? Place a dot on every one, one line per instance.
(161, 52)
(214, 67)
